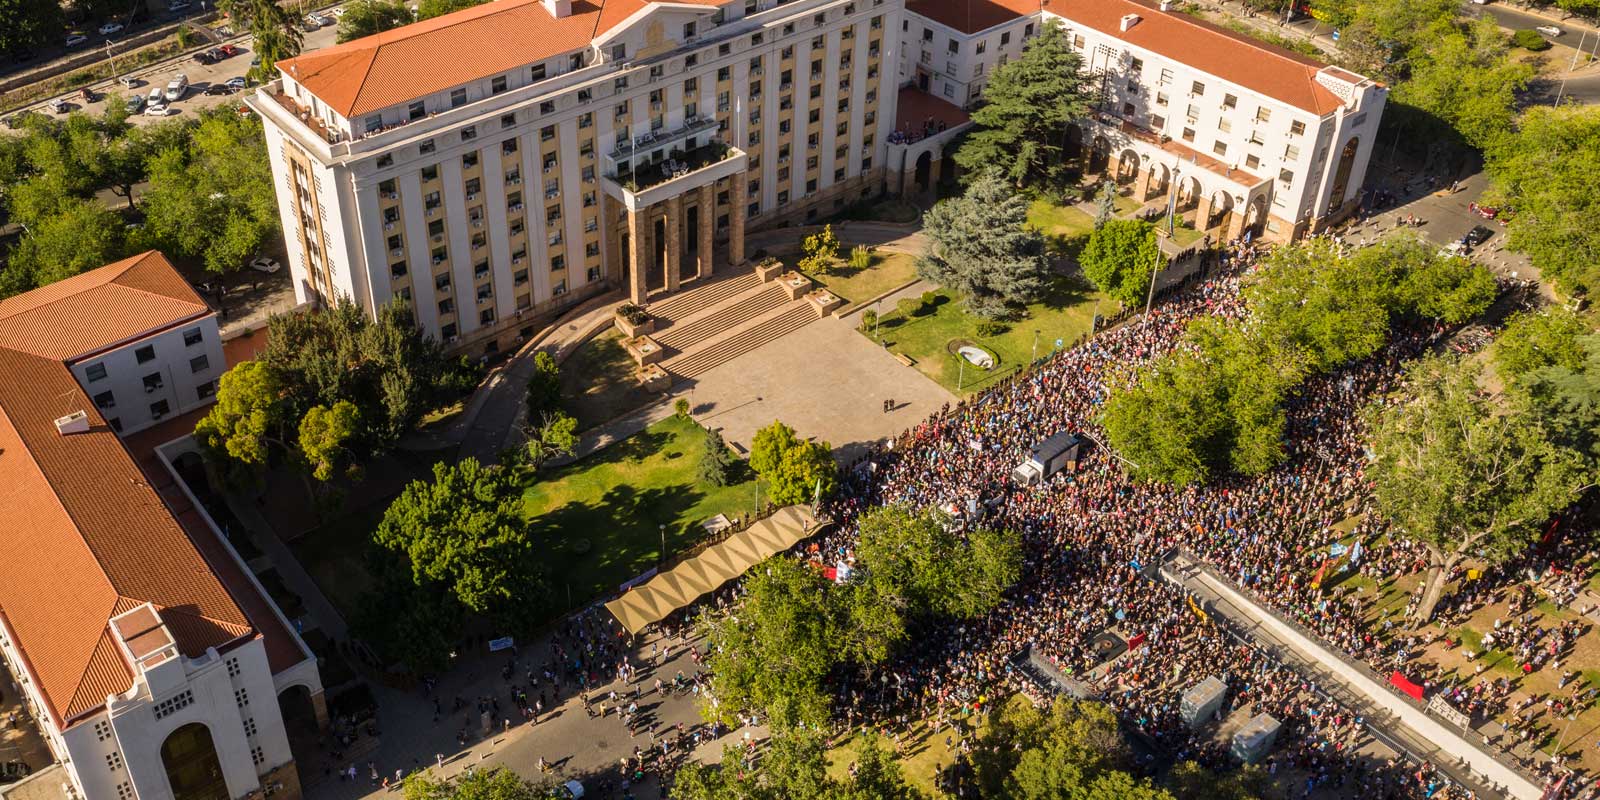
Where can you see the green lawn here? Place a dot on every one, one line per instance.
(335, 556)
(598, 383)
(888, 271)
(1065, 314)
(601, 514)
(1183, 234)
(1066, 222)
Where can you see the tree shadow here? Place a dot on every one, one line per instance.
(621, 536)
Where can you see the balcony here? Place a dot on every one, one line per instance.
(656, 181)
(658, 139)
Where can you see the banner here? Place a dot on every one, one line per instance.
(1204, 617)
(1403, 684)
(503, 643)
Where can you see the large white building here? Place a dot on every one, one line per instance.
(502, 162)
(147, 653)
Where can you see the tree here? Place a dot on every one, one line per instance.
(367, 17)
(1308, 298)
(1544, 172)
(794, 767)
(1247, 782)
(544, 385)
(821, 250)
(768, 446)
(927, 568)
(1105, 204)
(716, 463)
(428, 9)
(78, 235)
(464, 531)
(1534, 340)
(1462, 86)
(1170, 422)
(1451, 290)
(980, 246)
(773, 653)
(326, 434)
(248, 417)
(1028, 104)
(805, 472)
(497, 783)
(274, 28)
(680, 408)
(213, 203)
(1071, 750)
(555, 435)
(1467, 474)
(29, 25)
(1122, 257)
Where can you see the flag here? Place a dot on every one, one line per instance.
(1355, 553)
(1338, 549)
(1199, 612)
(1316, 583)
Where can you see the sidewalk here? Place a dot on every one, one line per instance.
(294, 576)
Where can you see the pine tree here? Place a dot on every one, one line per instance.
(980, 247)
(715, 463)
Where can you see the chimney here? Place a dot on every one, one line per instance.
(1128, 21)
(76, 422)
(558, 8)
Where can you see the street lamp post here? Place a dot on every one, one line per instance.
(1035, 344)
(663, 528)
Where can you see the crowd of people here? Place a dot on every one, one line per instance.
(1089, 534)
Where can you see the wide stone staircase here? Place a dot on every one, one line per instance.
(710, 325)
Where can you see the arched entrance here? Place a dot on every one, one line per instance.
(1099, 154)
(193, 769)
(1160, 176)
(1127, 166)
(1221, 207)
(924, 173)
(1255, 216)
(300, 721)
(1341, 174)
(1188, 193)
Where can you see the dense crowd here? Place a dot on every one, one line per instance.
(1090, 534)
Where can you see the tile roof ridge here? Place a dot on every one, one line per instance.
(1242, 38)
(148, 293)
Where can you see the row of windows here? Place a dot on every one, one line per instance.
(143, 355)
(174, 704)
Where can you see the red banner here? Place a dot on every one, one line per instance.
(1403, 684)
(1133, 644)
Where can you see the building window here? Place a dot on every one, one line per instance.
(448, 331)
(458, 98)
(1220, 148)
(416, 111)
(125, 791)
(469, 133)
(159, 409)
(174, 704)
(97, 372)
(114, 760)
(205, 390)
(1197, 88)
(426, 147)
(1296, 128)
(498, 84)
(1251, 161)
(250, 726)
(508, 120)
(1285, 176)
(1188, 134)
(144, 354)
(102, 731)
(486, 316)
(153, 382)
(192, 337)
(241, 697)
(199, 364)
(256, 757)
(1229, 101)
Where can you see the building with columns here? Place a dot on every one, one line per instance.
(151, 660)
(494, 166)
(1228, 134)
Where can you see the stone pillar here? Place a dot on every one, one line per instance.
(708, 226)
(319, 707)
(638, 229)
(736, 219)
(674, 228)
(1235, 224)
(1141, 187)
(1203, 213)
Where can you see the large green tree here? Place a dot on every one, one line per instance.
(29, 25)
(428, 9)
(926, 567)
(76, 236)
(274, 29)
(213, 202)
(1028, 105)
(498, 783)
(794, 767)
(1534, 340)
(1071, 750)
(464, 531)
(980, 247)
(1546, 172)
(367, 17)
(1121, 258)
(1462, 87)
(1468, 474)
(792, 468)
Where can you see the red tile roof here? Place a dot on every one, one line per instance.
(397, 66)
(99, 308)
(972, 16)
(1250, 63)
(85, 535)
(914, 109)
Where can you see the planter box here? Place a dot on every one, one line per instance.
(654, 378)
(769, 271)
(795, 285)
(631, 330)
(824, 301)
(645, 350)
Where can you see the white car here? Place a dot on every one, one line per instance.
(1549, 30)
(313, 21)
(177, 88)
(156, 96)
(339, 12)
(264, 264)
(76, 39)
(110, 28)
(237, 82)
(157, 109)
(128, 81)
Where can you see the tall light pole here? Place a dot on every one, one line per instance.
(663, 528)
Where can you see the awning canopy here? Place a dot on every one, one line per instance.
(716, 565)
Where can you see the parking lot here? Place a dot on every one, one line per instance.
(201, 77)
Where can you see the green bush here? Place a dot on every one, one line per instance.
(869, 319)
(860, 258)
(928, 299)
(908, 306)
(1530, 40)
(991, 328)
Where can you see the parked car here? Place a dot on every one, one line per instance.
(73, 40)
(1549, 30)
(179, 6)
(237, 82)
(129, 82)
(227, 51)
(1478, 235)
(155, 96)
(60, 106)
(265, 264)
(135, 103)
(87, 95)
(157, 109)
(338, 12)
(312, 22)
(110, 29)
(217, 89)
(204, 57)
(177, 88)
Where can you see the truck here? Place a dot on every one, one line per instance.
(1048, 457)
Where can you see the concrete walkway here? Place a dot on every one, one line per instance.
(1385, 710)
(294, 576)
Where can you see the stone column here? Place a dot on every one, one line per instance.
(1236, 223)
(708, 225)
(1202, 212)
(638, 229)
(674, 229)
(1141, 187)
(319, 707)
(736, 219)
